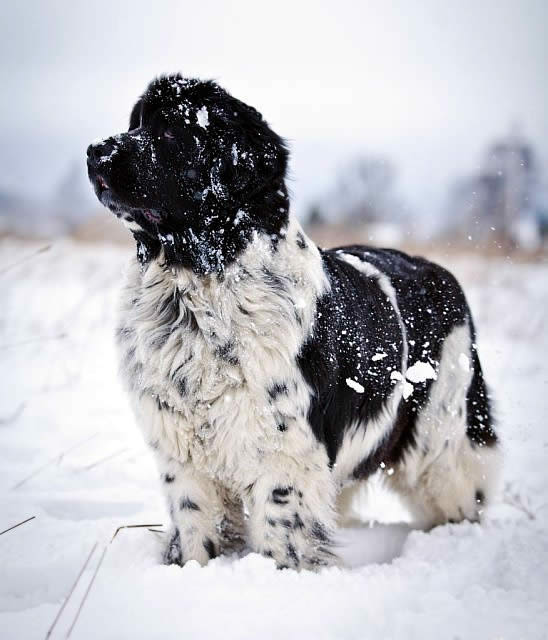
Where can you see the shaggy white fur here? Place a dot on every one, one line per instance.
(205, 360)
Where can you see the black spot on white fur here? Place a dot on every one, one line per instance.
(280, 494)
(187, 504)
(292, 554)
(226, 352)
(181, 386)
(209, 546)
(297, 522)
(174, 553)
(277, 389)
(319, 532)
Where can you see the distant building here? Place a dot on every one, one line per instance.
(503, 202)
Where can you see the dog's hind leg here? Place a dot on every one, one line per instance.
(449, 474)
(292, 516)
(455, 486)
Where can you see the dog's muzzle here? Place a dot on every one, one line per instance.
(101, 152)
(99, 156)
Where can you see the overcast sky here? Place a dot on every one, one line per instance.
(427, 83)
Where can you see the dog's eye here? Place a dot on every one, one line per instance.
(168, 133)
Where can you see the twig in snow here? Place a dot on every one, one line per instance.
(50, 630)
(129, 526)
(515, 500)
(135, 526)
(43, 249)
(87, 591)
(98, 462)
(14, 415)
(517, 503)
(156, 531)
(57, 459)
(16, 525)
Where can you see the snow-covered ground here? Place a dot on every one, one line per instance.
(71, 457)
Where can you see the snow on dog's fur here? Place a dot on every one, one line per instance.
(269, 375)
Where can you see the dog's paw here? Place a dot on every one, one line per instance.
(173, 553)
(310, 560)
(181, 549)
(302, 550)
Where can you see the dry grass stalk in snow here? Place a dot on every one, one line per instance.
(17, 525)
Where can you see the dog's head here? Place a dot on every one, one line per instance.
(193, 158)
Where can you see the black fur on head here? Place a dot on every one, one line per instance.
(197, 173)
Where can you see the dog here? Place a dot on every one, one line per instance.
(271, 377)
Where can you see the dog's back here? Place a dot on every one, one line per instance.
(438, 444)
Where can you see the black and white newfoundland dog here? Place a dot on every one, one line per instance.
(270, 376)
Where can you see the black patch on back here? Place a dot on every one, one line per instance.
(354, 320)
(431, 304)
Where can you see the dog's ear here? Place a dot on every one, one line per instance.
(252, 155)
(135, 117)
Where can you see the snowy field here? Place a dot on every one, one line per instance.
(71, 458)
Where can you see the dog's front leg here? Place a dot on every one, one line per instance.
(291, 515)
(197, 512)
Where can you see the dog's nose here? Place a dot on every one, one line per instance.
(100, 152)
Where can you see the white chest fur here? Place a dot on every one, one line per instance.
(210, 361)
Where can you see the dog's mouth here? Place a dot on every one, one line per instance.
(102, 189)
(107, 197)
(152, 216)
(133, 216)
